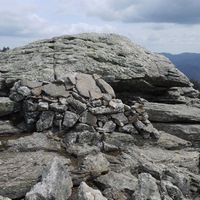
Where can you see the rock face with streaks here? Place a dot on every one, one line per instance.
(95, 116)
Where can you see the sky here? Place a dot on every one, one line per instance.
(171, 26)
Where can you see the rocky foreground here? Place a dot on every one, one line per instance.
(66, 133)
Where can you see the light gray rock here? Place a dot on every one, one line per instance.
(170, 190)
(113, 108)
(7, 106)
(55, 90)
(127, 66)
(70, 119)
(105, 87)
(24, 91)
(56, 183)
(34, 142)
(128, 128)
(188, 132)
(30, 84)
(95, 164)
(85, 83)
(46, 120)
(58, 107)
(87, 193)
(42, 106)
(147, 188)
(160, 112)
(19, 172)
(109, 127)
(121, 181)
(82, 150)
(120, 119)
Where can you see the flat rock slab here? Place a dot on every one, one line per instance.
(19, 172)
(55, 90)
(160, 112)
(85, 83)
(190, 132)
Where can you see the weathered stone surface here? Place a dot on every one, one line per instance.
(42, 106)
(113, 193)
(171, 191)
(147, 188)
(88, 118)
(45, 121)
(19, 172)
(109, 127)
(125, 65)
(105, 87)
(188, 132)
(56, 183)
(34, 142)
(159, 112)
(87, 193)
(70, 119)
(85, 83)
(24, 91)
(31, 84)
(6, 127)
(120, 119)
(121, 181)
(96, 164)
(55, 90)
(8, 106)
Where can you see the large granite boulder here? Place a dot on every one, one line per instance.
(125, 65)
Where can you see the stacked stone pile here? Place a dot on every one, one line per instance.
(80, 101)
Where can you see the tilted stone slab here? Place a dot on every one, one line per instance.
(160, 112)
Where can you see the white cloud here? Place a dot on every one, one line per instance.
(179, 11)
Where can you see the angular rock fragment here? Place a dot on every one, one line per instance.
(24, 91)
(95, 164)
(55, 90)
(105, 87)
(87, 193)
(56, 183)
(85, 84)
(25, 168)
(70, 119)
(88, 118)
(109, 127)
(42, 106)
(46, 121)
(121, 181)
(147, 188)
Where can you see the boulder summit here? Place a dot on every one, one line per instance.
(95, 116)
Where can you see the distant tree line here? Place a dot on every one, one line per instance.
(4, 49)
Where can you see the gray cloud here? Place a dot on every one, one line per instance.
(154, 11)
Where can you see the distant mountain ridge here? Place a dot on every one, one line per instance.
(188, 63)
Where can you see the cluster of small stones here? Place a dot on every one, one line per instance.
(80, 101)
